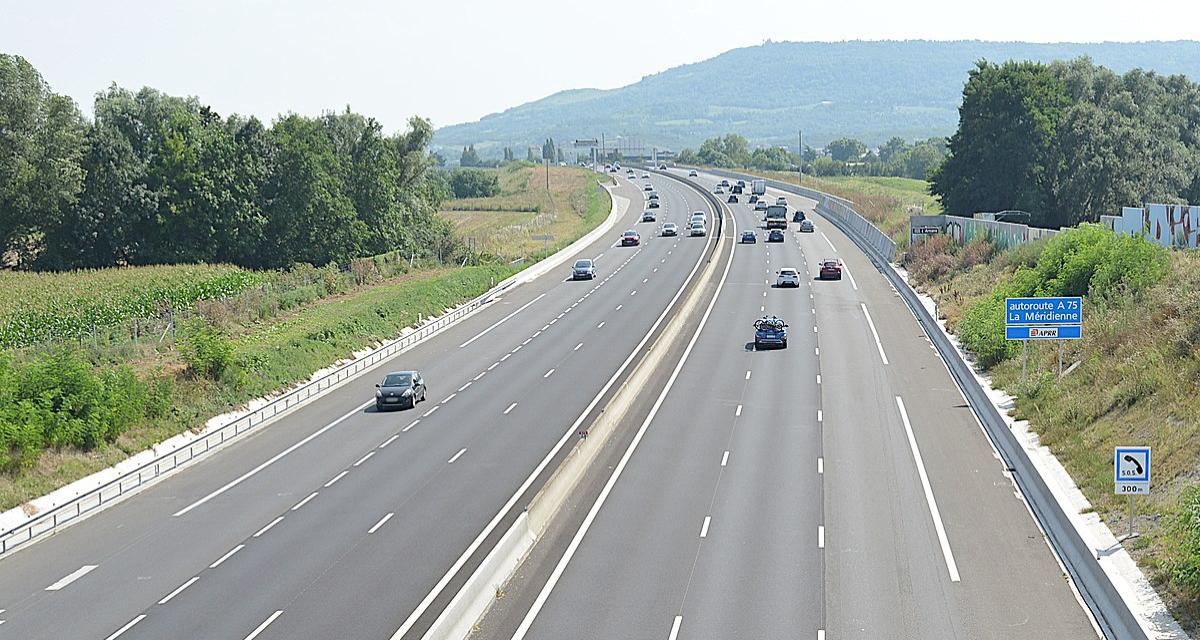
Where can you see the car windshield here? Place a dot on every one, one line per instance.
(787, 272)
(397, 380)
(583, 264)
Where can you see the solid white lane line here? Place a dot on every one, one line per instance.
(725, 459)
(268, 463)
(510, 408)
(305, 501)
(72, 577)
(364, 458)
(738, 411)
(548, 374)
(464, 387)
(448, 398)
(494, 365)
(704, 527)
(389, 440)
(338, 477)
(556, 574)
(851, 275)
(675, 628)
(951, 566)
(267, 528)
(820, 465)
(827, 241)
(875, 333)
(600, 326)
(820, 536)
(577, 347)
(747, 374)
(226, 556)
(264, 625)
(411, 425)
(380, 523)
(116, 634)
(501, 321)
(457, 455)
(177, 591)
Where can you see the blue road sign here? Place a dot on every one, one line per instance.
(1131, 470)
(1048, 311)
(1065, 332)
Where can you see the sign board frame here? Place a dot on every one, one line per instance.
(1131, 484)
(1051, 311)
(1043, 332)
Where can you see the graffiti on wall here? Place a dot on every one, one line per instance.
(1170, 225)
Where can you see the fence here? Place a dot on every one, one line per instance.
(87, 502)
(1003, 235)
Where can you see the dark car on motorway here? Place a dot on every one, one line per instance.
(630, 238)
(653, 204)
(748, 237)
(775, 235)
(831, 269)
(753, 198)
(806, 226)
(732, 199)
(648, 216)
(798, 216)
(584, 269)
(399, 389)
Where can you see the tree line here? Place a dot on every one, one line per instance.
(550, 152)
(1069, 141)
(154, 179)
(844, 156)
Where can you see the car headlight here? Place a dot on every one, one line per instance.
(378, 393)
(408, 392)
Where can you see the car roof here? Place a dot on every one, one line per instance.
(583, 260)
(791, 269)
(400, 373)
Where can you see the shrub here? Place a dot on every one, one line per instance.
(1183, 569)
(474, 183)
(206, 350)
(981, 330)
(1092, 259)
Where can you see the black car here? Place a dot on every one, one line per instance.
(775, 235)
(400, 389)
(753, 198)
(798, 216)
(732, 199)
(653, 204)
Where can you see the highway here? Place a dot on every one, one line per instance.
(341, 522)
(840, 488)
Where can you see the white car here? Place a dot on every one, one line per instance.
(692, 173)
(788, 277)
(781, 200)
(696, 217)
(697, 229)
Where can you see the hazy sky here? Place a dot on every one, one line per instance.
(457, 60)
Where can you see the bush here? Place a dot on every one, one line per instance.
(474, 183)
(206, 350)
(981, 330)
(1183, 569)
(1090, 259)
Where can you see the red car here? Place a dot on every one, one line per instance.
(831, 269)
(631, 238)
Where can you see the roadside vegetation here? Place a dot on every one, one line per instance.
(505, 224)
(1133, 380)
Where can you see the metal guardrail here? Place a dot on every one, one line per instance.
(1110, 611)
(85, 503)
(832, 207)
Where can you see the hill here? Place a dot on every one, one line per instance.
(865, 90)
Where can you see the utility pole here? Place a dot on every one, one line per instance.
(547, 175)
(800, 152)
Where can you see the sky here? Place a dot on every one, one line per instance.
(457, 60)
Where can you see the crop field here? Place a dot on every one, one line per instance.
(43, 307)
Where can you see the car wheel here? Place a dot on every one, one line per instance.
(757, 346)
(378, 406)
(422, 394)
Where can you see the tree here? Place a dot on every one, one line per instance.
(892, 148)
(548, 150)
(508, 154)
(999, 157)
(469, 157)
(42, 143)
(846, 149)
(559, 151)
(529, 155)
(771, 159)
(474, 183)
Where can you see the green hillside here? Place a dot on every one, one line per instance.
(866, 90)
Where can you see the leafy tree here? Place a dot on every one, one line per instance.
(548, 150)
(469, 157)
(474, 183)
(508, 154)
(529, 156)
(42, 143)
(892, 148)
(771, 159)
(846, 149)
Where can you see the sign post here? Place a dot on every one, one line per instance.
(1131, 475)
(1026, 319)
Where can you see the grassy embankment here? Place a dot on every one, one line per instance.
(505, 225)
(71, 407)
